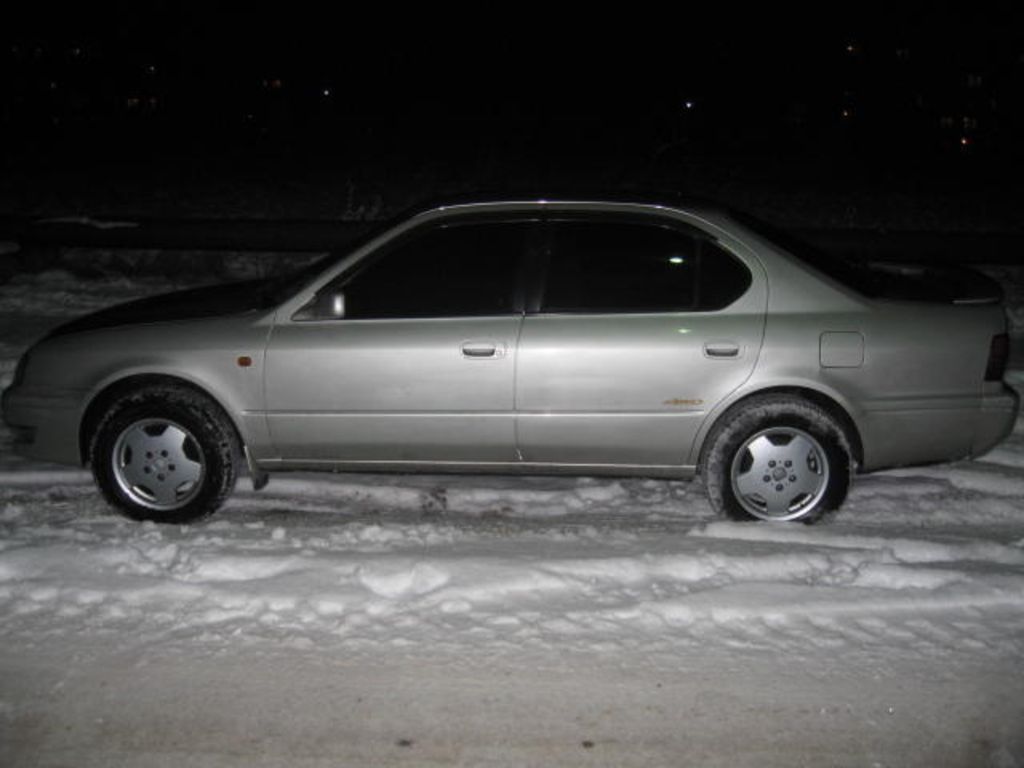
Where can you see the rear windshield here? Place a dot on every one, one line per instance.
(929, 281)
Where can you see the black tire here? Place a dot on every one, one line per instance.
(779, 458)
(186, 481)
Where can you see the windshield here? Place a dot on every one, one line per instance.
(284, 287)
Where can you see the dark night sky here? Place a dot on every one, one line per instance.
(543, 92)
(508, 61)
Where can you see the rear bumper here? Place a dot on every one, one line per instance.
(914, 432)
(44, 427)
(996, 420)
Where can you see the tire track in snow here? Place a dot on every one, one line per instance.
(358, 582)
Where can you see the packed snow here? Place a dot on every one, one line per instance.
(504, 621)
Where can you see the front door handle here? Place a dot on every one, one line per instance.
(719, 350)
(479, 350)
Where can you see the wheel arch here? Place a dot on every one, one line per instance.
(823, 400)
(106, 397)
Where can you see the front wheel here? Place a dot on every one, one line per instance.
(164, 454)
(777, 458)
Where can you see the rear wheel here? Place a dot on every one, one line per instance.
(777, 458)
(165, 454)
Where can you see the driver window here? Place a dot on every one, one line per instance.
(455, 270)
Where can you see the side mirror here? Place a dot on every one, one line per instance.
(335, 302)
(324, 306)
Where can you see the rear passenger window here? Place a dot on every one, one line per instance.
(620, 266)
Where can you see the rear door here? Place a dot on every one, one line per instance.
(420, 367)
(640, 327)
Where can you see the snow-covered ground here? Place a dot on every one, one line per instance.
(429, 620)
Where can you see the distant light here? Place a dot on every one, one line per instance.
(53, 85)
(676, 260)
(683, 330)
(326, 92)
(688, 105)
(847, 114)
(965, 141)
(852, 48)
(151, 69)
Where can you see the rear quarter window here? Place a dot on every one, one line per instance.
(628, 266)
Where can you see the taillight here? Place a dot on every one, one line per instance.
(998, 357)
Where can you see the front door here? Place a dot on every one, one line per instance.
(419, 367)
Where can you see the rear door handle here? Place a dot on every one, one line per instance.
(721, 349)
(479, 350)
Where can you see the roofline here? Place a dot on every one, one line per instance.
(653, 199)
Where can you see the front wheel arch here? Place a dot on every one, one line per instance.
(105, 399)
(164, 453)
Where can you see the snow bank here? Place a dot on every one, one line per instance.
(588, 579)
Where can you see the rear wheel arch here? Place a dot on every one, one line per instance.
(778, 456)
(824, 401)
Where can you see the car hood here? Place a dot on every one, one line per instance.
(192, 304)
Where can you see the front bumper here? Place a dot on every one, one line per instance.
(44, 426)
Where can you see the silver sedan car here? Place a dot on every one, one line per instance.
(539, 336)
